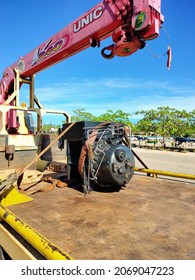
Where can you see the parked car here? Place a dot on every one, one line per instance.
(140, 137)
(133, 138)
(184, 139)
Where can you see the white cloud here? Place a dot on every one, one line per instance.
(97, 96)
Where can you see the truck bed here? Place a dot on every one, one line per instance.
(151, 218)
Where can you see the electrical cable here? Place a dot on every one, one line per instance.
(168, 52)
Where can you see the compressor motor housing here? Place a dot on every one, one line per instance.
(98, 154)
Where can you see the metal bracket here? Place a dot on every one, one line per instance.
(119, 8)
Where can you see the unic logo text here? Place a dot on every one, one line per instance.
(92, 16)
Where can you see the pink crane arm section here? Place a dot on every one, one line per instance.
(129, 22)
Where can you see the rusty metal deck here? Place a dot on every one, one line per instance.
(150, 219)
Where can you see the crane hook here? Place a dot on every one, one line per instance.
(111, 54)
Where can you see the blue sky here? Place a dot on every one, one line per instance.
(137, 82)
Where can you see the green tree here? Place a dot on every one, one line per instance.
(113, 116)
(118, 116)
(147, 124)
(191, 126)
(81, 115)
(164, 121)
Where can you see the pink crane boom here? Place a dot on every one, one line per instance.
(129, 22)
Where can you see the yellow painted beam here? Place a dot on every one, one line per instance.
(13, 197)
(165, 173)
(49, 250)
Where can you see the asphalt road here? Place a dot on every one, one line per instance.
(165, 160)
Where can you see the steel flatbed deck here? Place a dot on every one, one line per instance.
(151, 218)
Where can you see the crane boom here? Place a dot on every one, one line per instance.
(129, 22)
